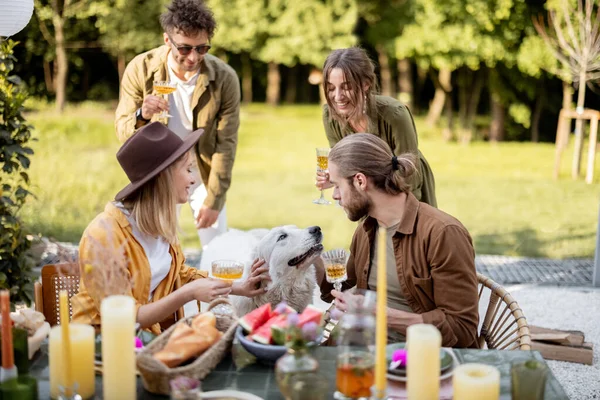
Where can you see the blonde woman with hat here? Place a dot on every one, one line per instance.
(139, 228)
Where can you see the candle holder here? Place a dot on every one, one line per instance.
(70, 393)
(22, 388)
(528, 380)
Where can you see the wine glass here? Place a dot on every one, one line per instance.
(322, 164)
(229, 270)
(164, 88)
(335, 267)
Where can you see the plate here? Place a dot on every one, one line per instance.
(229, 394)
(448, 362)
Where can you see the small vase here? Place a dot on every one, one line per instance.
(293, 363)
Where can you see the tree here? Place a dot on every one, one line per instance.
(240, 30)
(468, 34)
(303, 31)
(62, 13)
(575, 42)
(126, 32)
(15, 135)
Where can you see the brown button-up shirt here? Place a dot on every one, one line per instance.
(435, 261)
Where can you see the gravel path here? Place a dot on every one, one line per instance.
(569, 309)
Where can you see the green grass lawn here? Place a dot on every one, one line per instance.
(504, 194)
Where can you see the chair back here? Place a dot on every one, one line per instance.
(504, 326)
(56, 277)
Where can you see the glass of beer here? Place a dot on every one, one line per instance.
(227, 269)
(322, 165)
(164, 88)
(335, 266)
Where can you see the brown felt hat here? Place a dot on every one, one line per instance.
(149, 152)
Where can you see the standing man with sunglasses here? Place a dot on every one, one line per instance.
(207, 97)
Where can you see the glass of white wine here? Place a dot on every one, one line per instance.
(164, 88)
(335, 267)
(229, 270)
(322, 165)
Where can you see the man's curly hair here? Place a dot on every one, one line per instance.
(188, 17)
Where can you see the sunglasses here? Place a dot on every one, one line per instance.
(185, 49)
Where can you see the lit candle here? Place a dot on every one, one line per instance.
(9, 370)
(423, 343)
(82, 344)
(476, 382)
(381, 335)
(118, 356)
(66, 342)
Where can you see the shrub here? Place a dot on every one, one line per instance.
(15, 134)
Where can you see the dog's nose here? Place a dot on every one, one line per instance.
(313, 230)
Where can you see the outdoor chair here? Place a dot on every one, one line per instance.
(55, 277)
(502, 325)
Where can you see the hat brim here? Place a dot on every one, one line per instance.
(188, 142)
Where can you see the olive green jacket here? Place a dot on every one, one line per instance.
(391, 121)
(216, 108)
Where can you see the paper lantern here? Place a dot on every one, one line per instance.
(14, 16)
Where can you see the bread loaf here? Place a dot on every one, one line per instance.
(186, 342)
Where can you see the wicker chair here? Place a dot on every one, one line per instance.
(55, 277)
(504, 326)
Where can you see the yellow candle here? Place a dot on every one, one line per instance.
(423, 343)
(381, 335)
(118, 357)
(81, 342)
(65, 318)
(476, 382)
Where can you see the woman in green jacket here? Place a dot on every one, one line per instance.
(353, 106)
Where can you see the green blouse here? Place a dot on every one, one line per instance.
(391, 121)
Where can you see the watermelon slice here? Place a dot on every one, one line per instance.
(263, 334)
(310, 314)
(254, 319)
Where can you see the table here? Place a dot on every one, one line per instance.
(260, 379)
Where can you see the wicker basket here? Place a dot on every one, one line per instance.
(156, 375)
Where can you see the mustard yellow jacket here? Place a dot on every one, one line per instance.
(109, 239)
(216, 109)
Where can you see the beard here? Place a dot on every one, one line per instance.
(358, 205)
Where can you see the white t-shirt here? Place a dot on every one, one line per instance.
(180, 104)
(156, 249)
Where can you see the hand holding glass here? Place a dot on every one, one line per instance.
(164, 88)
(335, 267)
(322, 165)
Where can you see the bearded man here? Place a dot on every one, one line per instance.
(433, 279)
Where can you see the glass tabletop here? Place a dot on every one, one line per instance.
(260, 380)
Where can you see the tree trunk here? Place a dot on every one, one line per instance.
(384, 70)
(62, 64)
(448, 131)
(420, 83)
(464, 85)
(498, 117)
(273, 84)
(405, 86)
(121, 64)
(437, 104)
(292, 85)
(567, 96)
(471, 113)
(48, 77)
(537, 113)
(579, 125)
(246, 78)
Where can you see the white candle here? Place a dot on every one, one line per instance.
(381, 320)
(423, 343)
(118, 357)
(476, 382)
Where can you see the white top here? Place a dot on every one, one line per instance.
(156, 249)
(180, 104)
